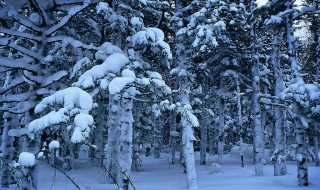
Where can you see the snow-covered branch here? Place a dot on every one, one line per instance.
(25, 51)
(69, 40)
(20, 34)
(71, 13)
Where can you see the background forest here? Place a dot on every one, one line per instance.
(112, 81)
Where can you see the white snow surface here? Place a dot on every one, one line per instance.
(26, 159)
(158, 174)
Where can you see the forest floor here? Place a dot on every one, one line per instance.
(158, 174)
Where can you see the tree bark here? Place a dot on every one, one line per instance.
(10, 121)
(125, 141)
(112, 153)
(221, 124)
(258, 142)
(280, 167)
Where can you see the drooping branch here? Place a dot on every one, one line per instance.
(65, 174)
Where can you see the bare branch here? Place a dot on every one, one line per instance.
(65, 174)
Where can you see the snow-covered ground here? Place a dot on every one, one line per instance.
(158, 174)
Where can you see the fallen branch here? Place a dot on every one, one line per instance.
(63, 172)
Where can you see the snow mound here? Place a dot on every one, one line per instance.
(52, 118)
(82, 127)
(215, 168)
(113, 64)
(26, 159)
(70, 97)
(105, 50)
(119, 83)
(54, 145)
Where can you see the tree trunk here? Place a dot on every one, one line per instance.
(136, 161)
(258, 143)
(156, 137)
(187, 140)
(316, 149)
(112, 153)
(30, 179)
(300, 131)
(125, 141)
(99, 140)
(240, 122)
(280, 167)
(203, 142)
(10, 121)
(173, 138)
(221, 125)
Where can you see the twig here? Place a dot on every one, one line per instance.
(60, 170)
(124, 173)
(113, 178)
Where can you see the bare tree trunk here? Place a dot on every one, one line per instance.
(187, 140)
(203, 142)
(221, 125)
(258, 142)
(280, 167)
(125, 141)
(113, 138)
(240, 122)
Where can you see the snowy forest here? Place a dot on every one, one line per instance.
(159, 95)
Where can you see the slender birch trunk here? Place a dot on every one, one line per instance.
(112, 153)
(280, 167)
(187, 142)
(125, 141)
(258, 142)
(240, 121)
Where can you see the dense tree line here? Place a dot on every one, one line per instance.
(122, 78)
